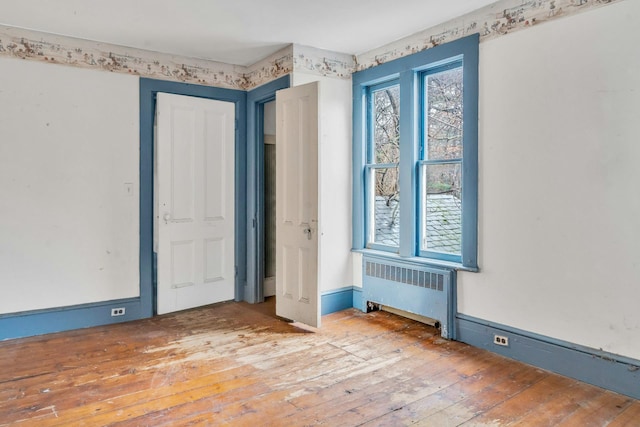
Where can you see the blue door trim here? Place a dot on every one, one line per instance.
(148, 90)
(256, 98)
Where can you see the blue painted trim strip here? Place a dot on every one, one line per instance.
(470, 96)
(336, 300)
(358, 301)
(40, 322)
(437, 263)
(358, 161)
(409, 149)
(256, 98)
(600, 368)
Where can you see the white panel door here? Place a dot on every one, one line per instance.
(297, 293)
(195, 201)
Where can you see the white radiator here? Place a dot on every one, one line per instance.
(418, 289)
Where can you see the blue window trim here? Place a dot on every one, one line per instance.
(409, 71)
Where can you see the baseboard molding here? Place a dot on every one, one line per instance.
(337, 300)
(606, 370)
(39, 322)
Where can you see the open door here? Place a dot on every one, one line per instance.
(297, 292)
(194, 206)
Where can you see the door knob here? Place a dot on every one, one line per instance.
(166, 218)
(307, 231)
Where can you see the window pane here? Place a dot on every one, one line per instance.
(386, 125)
(441, 208)
(443, 119)
(386, 207)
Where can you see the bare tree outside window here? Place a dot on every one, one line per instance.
(386, 151)
(442, 169)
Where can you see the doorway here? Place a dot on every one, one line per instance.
(269, 242)
(257, 99)
(149, 88)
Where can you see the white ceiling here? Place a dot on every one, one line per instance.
(235, 31)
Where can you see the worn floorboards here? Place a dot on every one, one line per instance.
(238, 364)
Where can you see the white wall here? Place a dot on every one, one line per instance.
(559, 205)
(68, 144)
(335, 270)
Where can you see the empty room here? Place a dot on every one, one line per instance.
(341, 213)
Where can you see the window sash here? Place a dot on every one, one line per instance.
(373, 205)
(422, 249)
(422, 204)
(370, 133)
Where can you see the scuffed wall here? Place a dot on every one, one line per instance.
(69, 174)
(558, 178)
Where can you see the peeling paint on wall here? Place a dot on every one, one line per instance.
(498, 19)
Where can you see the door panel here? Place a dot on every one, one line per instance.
(297, 293)
(195, 201)
(182, 164)
(182, 256)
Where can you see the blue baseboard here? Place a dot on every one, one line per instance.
(358, 302)
(40, 322)
(602, 369)
(337, 300)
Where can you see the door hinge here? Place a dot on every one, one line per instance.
(255, 223)
(236, 268)
(236, 124)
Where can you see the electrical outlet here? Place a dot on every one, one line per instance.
(501, 340)
(117, 311)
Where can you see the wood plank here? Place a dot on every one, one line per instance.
(601, 411)
(525, 402)
(238, 364)
(629, 417)
(468, 398)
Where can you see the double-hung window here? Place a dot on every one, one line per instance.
(416, 135)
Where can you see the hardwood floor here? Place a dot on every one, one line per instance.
(237, 364)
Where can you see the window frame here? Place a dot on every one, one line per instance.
(410, 72)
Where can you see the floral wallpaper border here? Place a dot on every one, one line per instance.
(53, 49)
(495, 20)
(270, 68)
(323, 62)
